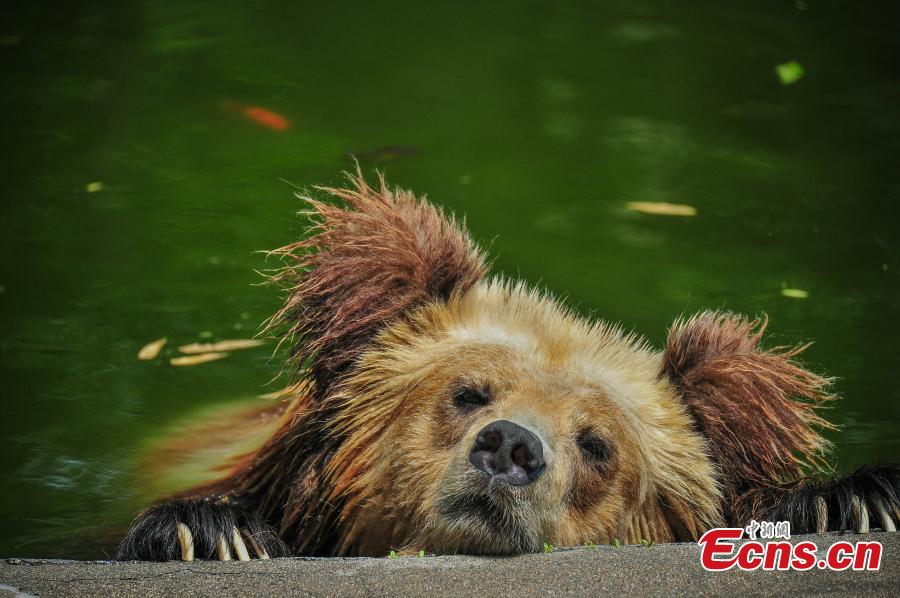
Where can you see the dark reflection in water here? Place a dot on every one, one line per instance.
(144, 164)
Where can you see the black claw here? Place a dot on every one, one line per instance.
(153, 535)
(872, 484)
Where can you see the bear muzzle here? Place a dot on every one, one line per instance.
(509, 453)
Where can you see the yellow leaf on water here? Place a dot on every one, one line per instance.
(795, 293)
(151, 350)
(197, 359)
(228, 345)
(661, 208)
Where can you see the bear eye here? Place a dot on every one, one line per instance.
(470, 397)
(593, 447)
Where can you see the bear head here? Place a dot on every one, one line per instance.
(446, 411)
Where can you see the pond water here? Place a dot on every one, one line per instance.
(139, 185)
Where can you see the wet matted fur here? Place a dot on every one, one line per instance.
(402, 350)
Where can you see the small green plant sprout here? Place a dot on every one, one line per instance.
(590, 544)
(392, 555)
(616, 543)
(548, 548)
(421, 553)
(646, 542)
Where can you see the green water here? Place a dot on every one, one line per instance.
(536, 120)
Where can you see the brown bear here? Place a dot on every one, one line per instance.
(433, 408)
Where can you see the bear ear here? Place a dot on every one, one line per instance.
(756, 407)
(374, 254)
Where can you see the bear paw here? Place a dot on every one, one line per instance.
(867, 498)
(189, 529)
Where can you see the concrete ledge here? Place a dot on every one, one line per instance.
(662, 570)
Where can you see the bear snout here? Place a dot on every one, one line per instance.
(508, 453)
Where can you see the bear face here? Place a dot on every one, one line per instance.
(498, 421)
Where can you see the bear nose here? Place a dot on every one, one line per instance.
(508, 452)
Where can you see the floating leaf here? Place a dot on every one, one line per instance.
(661, 208)
(151, 350)
(789, 72)
(197, 359)
(795, 293)
(228, 345)
(94, 187)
